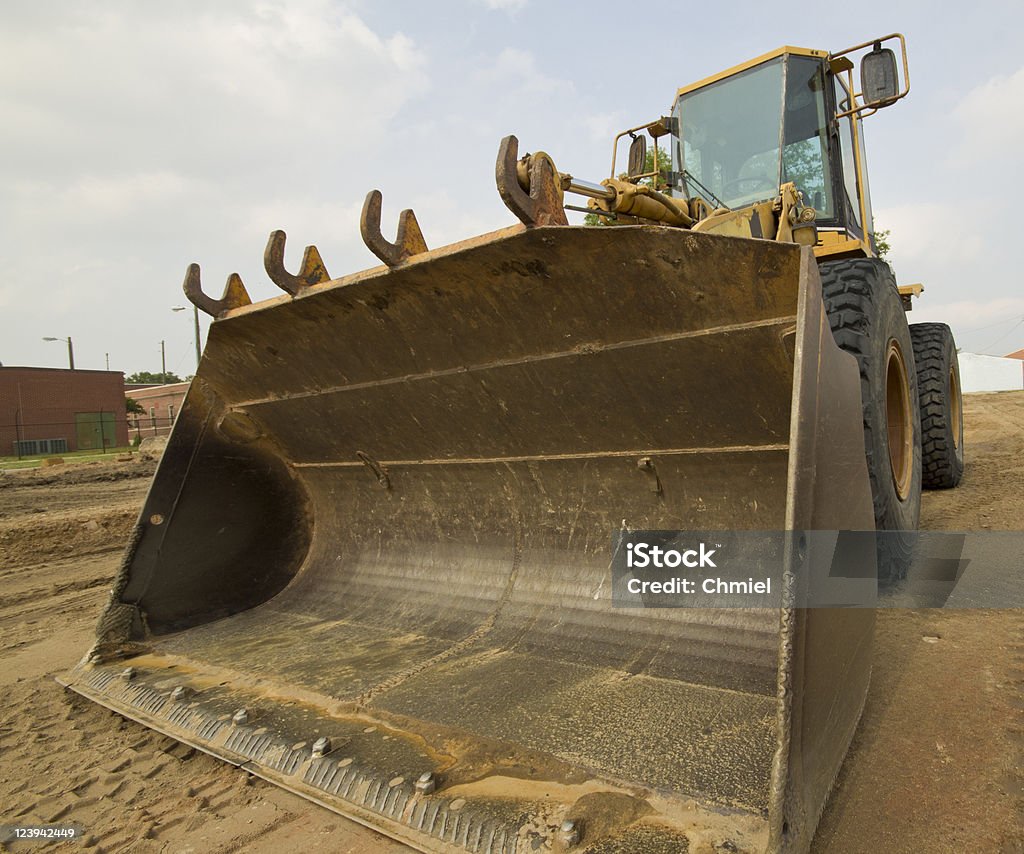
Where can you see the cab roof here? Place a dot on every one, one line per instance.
(743, 66)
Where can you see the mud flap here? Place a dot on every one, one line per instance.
(374, 564)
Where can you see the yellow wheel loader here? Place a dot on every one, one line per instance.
(374, 564)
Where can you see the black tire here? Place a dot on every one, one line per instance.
(938, 387)
(868, 321)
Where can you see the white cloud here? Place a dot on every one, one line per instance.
(985, 325)
(138, 87)
(969, 315)
(921, 232)
(602, 127)
(990, 117)
(108, 196)
(506, 5)
(518, 68)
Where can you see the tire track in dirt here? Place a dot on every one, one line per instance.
(67, 760)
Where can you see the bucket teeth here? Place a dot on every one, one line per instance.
(409, 241)
(542, 204)
(235, 294)
(313, 271)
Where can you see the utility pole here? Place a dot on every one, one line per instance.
(195, 321)
(163, 364)
(108, 360)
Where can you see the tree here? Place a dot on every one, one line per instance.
(133, 407)
(153, 378)
(664, 167)
(882, 245)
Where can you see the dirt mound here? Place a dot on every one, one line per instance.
(44, 538)
(101, 471)
(153, 446)
(58, 512)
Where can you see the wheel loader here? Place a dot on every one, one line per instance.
(373, 566)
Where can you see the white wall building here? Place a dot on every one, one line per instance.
(990, 373)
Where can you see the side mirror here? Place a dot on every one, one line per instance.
(637, 156)
(879, 84)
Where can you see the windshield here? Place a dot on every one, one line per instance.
(728, 148)
(730, 137)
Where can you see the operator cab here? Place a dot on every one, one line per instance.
(788, 116)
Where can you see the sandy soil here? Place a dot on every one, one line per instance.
(935, 765)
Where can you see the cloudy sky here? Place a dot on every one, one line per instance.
(138, 137)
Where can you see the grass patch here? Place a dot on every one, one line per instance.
(71, 458)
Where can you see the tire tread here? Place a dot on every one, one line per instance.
(939, 466)
(864, 308)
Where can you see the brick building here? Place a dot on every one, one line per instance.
(161, 405)
(53, 410)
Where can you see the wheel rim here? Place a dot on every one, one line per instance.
(955, 411)
(898, 417)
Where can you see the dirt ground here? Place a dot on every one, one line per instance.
(935, 765)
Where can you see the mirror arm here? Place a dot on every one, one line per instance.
(871, 109)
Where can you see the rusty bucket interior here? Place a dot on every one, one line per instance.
(373, 566)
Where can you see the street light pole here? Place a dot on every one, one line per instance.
(71, 349)
(195, 320)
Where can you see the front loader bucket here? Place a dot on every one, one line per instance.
(373, 567)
